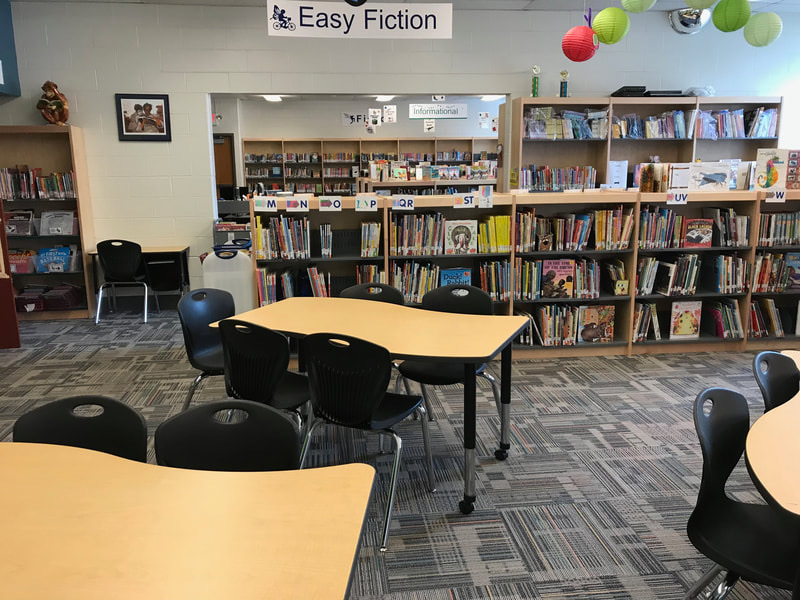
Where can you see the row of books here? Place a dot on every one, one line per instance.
(779, 229)
(667, 125)
(571, 232)
(661, 228)
(264, 173)
(340, 189)
(342, 172)
(732, 124)
(339, 157)
(767, 319)
(496, 279)
(559, 278)
(305, 157)
(370, 274)
(273, 286)
(304, 188)
(301, 172)
(544, 123)
(370, 239)
(776, 272)
(263, 158)
(413, 279)
(551, 179)
(561, 325)
(282, 237)
(23, 183)
(494, 234)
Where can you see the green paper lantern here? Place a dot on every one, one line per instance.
(762, 29)
(637, 6)
(700, 4)
(611, 25)
(730, 15)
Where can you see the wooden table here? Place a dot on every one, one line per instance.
(83, 525)
(412, 333)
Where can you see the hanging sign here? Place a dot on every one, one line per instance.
(437, 111)
(289, 18)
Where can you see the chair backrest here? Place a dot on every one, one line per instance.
(458, 298)
(347, 376)
(777, 376)
(119, 429)
(256, 358)
(260, 438)
(196, 310)
(121, 260)
(382, 292)
(722, 420)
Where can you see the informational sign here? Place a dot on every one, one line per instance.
(298, 203)
(402, 202)
(390, 113)
(289, 18)
(437, 111)
(330, 204)
(265, 204)
(366, 203)
(429, 125)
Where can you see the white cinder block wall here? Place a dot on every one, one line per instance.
(161, 193)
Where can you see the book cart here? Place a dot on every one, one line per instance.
(59, 154)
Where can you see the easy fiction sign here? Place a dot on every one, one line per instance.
(291, 18)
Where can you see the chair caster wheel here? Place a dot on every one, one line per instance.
(466, 507)
(501, 454)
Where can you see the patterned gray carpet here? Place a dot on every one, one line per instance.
(592, 503)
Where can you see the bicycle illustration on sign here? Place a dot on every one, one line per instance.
(281, 20)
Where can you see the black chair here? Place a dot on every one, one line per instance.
(263, 439)
(203, 344)
(380, 292)
(455, 298)
(256, 362)
(348, 379)
(119, 429)
(753, 542)
(122, 265)
(777, 377)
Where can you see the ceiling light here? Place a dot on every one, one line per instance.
(492, 97)
(384, 98)
(271, 98)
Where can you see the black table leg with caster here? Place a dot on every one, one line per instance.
(467, 505)
(505, 403)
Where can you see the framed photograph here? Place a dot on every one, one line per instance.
(143, 117)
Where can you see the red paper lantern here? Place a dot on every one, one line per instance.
(580, 43)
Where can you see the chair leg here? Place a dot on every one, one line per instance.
(495, 389)
(426, 400)
(426, 440)
(99, 303)
(155, 297)
(192, 389)
(380, 443)
(145, 302)
(398, 447)
(310, 431)
(704, 580)
(725, 587)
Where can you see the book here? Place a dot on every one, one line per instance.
(456, 275)
(709, 176)
(595, 324)
(793, 268)
(665, 278)
(461, 237)
(53, 260)
(697, 233)
(558, 276)
(771, 166)
(685, 320)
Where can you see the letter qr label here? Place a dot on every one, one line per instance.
(403, 202)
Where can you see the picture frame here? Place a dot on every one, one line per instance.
(143, 117)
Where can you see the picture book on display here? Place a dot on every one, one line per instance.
(685, 320)
(771, 164)
(457, 275)
(697, 233)
(793, 268)
(461, 237)
(596, 324)
(793, 170)
(557, 278)
(709, 176)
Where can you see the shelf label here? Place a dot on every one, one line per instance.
(776, 195)
(330, 203)
(298, 203)
(366, 203)
(402, 202)
(677, 197)
(265, 204)
(485, 197)
(464, 201)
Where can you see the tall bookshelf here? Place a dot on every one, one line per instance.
(522, 150)
(333, 166)
(753, 205)
(53, 149)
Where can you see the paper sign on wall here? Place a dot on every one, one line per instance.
(438, 111)
(350, 119)
(366, 203)
(375, 117)
(429, 125)
(298, 203)
(483, 120)
(402, 202)
(389, 113)
(330, 203)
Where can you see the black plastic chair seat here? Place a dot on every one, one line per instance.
(435, 373)
(292, 392)
(759, 550)
(209, 360)
(137, 278)
(393, 409)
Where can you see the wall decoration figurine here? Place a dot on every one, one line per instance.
(53, 104)
(143, 117)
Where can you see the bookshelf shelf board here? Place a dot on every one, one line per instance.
(790, 248)
(629, 139)
(319, 259)
(298, 177)
(34, 274)
(341, 162)
(702, 339)
(265, 162)
(302, 162)
(701, 197)
(46, 315)
(736, 139)
(602, 298)
(783, 294)
(338, 177)
(559, 140)
(54, 238)
(448, 256)
(649, 251)
(698, 295)
(539, 347)
(39, 200)
(576, 253)
(264, 177)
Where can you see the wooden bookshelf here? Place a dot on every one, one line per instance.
(52, 149)
(745, 203)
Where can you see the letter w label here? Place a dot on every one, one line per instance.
(777, 196)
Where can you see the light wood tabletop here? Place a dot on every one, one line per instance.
(404, 331)
(83, 525)
(157, 250)
(773, 453)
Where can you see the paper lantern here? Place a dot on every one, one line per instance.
(637, 6)
(579, 43)
(700, 4)
(730, 15)
(762, 29)
(611, 25)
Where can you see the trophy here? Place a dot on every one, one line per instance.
(563, 87)
(535, 81)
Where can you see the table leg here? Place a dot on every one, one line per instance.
(467, 505)
(505, 403)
